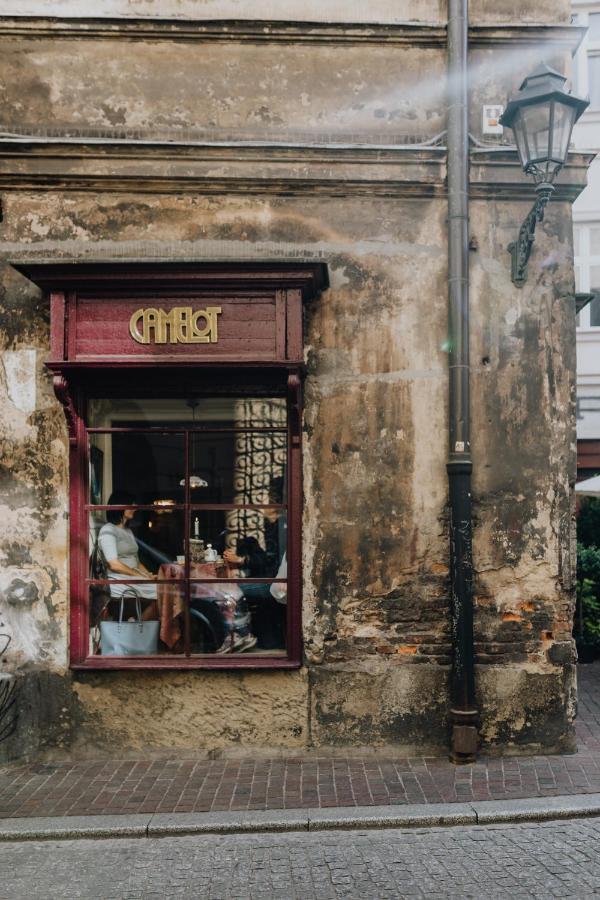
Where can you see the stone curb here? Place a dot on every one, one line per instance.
(425, 815)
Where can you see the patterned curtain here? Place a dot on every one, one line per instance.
(260, 465)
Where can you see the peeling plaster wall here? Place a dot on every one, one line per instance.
(260, 87)
(387, 11)
(375, 603)
(524, 391)
(33, 484)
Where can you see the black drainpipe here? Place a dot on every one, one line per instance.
(463, 714)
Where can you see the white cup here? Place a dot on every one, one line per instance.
(181, 560)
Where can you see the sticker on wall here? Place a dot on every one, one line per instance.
(491, 119)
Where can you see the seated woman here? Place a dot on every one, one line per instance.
(120, 550)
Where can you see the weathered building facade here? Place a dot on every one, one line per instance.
(290, 140)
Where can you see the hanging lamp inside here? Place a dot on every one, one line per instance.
(194, 480)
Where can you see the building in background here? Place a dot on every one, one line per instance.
(586, 240)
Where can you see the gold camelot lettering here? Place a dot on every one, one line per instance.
(181, 325)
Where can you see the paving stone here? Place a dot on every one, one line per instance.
(555, 859)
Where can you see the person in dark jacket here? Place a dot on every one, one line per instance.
(268, 616)
(249, 557)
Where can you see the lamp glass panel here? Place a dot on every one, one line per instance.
(564, 119)
(536, 122)
(518, 127)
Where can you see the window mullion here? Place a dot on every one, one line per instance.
(186, 547)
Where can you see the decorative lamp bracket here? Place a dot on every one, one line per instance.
(520, 250)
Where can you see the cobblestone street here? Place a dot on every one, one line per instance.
(558, 859)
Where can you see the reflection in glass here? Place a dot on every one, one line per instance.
(248, 543)
(238, 467)
(564, 118)
(220, 621)
(537, 124)
(126, 611)
(174, 411)
(147, 465)
(229, 618)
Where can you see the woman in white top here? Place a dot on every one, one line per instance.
(120, 550)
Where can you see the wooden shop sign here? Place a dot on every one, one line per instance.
(147, 313)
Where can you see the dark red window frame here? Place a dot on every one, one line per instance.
(79, 375)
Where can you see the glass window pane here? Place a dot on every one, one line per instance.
(225, 411)
(238, 467)
(230, 618)
(594, 278)
(576, 240)
(247, 543)
(577, 278)
(140, 540)
(595, 313)
(594, 81)
(536, 120)
(218, 620)
(115, 618)
(594, 26)
(595, 241)
(521, 139)
(564, 117)
(138, 467)
(237, 458)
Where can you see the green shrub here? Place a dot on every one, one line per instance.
(587, 616)
(588, 522)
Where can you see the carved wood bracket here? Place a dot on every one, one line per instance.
(63, 395)
(295, 407)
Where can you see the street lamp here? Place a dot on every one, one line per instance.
(541, 116)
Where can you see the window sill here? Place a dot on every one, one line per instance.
(148, 663)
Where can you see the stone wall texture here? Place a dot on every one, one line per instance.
(375, 537)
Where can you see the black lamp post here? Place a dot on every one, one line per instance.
(541, 116)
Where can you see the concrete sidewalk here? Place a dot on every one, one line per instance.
(424, 815)
(307, 788)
